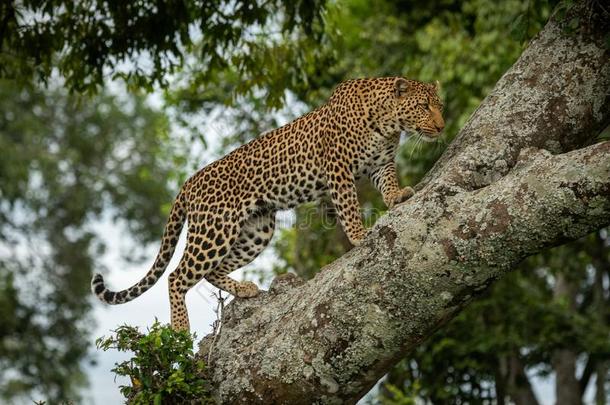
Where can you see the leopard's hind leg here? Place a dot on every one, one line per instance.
(209, 240)
(254, 236)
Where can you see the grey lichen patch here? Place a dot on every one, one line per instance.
(329, 383)
(464, 230)
(530, 155)
(482, 164)
(598, 205)
(308, 371)
(285, 282)
(498, 219)
(282, 360)
(593, 155)
(552, 145)
(585, 192)
(408, 231)
(446, 296)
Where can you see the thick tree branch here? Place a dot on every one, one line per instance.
(333, 337)
(494, 198)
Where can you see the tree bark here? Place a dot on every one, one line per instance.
(510, 185)
(600, 384)
(520, 390)
(567, 389)
(512, 381)
(567, 386)
(602, 266)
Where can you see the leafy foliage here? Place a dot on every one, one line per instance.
(142, 42)
(163, 369)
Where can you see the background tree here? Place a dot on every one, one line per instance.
(67, 163)
(142, 43)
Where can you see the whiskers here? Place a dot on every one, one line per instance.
(441, 144)
(417, 139)
(417, 144)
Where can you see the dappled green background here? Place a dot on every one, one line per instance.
(79, 144)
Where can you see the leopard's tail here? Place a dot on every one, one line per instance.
(172, 231)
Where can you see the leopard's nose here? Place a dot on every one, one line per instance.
(439, 127)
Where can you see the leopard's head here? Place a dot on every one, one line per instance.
(418, 108)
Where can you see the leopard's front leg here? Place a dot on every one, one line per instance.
(342, 187)
(385, 180)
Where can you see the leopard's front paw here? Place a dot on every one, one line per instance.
(401, 196)
(246, 289)
(357, 238)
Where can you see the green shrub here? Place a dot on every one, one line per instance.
(163, 369)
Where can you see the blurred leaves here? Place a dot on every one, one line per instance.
(143, 42)
(66, 164)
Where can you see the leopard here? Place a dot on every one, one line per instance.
(230, 205)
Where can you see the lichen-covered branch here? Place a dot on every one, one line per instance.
(332, 338)
(512, 184)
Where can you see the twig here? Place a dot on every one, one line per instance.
(217, 325)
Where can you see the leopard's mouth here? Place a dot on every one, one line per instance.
(428, 138)
(427, 135)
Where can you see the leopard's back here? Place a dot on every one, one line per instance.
(278, 170)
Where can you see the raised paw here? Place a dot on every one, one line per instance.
(402, 195)
(246, 289)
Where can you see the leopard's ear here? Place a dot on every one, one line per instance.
(436, 86)
(401, 87)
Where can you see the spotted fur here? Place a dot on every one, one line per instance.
(230, 205)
